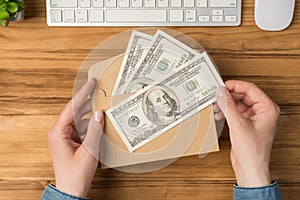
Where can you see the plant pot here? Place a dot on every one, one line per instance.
(18, 16)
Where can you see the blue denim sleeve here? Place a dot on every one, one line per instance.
(51, 193)
(269, 192)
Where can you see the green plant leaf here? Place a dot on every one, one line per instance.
(4, 18)
(21, 6)
(4, 14)
(3, 6)
(12, 7)
(4, 22)
(1, 2)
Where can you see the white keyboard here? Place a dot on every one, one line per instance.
(144, 12)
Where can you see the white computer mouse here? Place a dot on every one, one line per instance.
(273, 15)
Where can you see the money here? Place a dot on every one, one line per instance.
(153, 110)
(138, 46)
(165, 56)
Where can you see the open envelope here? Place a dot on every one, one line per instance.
(196, 135)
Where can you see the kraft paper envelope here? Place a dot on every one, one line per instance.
(196, 135)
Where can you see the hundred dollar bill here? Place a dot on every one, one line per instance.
(138, 46)
(153, 110)
(164, 57)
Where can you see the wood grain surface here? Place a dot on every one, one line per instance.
(37, 72)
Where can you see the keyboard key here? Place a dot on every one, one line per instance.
(96, 15)
(111, 3)
(63, 3)
(123, 3)
(82, 15)
(97, 3)
(176, 3)
(136, 3)
(203, 18)
(188, 3)
(230, 18)
(69, 15)
(142, 15)
(222, 3)
(56, 15)
(201, 3)
(162, 3)
(176, 15)
(217, 12)
(150, 3)
(190, 15)
(85, 3)
(217, 18)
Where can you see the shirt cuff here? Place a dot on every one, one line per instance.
(269, 192)
(52, 193)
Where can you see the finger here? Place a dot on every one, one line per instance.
(237, 96)
(94, 132)
(255, 98)
(75, 137)
(85, 108)
(66, 117)
(241, 106)
(252, 93)
(82, 126)
(216, 107)
(219, 116)
(82, 95)
(228, 106)
(249, 114)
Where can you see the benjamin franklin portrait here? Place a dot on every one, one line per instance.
(160, 105)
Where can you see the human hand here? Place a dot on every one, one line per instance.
(75, 162)
(252, 118)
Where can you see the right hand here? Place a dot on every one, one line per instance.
(252, 119)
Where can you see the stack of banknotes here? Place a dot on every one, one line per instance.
(168, 82)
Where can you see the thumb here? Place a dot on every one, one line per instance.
(94, 132)
(227, 104)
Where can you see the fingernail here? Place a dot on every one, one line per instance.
(97, 116)
(220, 92)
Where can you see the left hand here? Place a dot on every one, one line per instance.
(74, 162)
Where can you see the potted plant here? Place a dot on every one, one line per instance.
(11, 10)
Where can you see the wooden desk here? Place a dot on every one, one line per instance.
(37, 70)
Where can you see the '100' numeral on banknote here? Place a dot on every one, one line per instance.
(154, 110)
